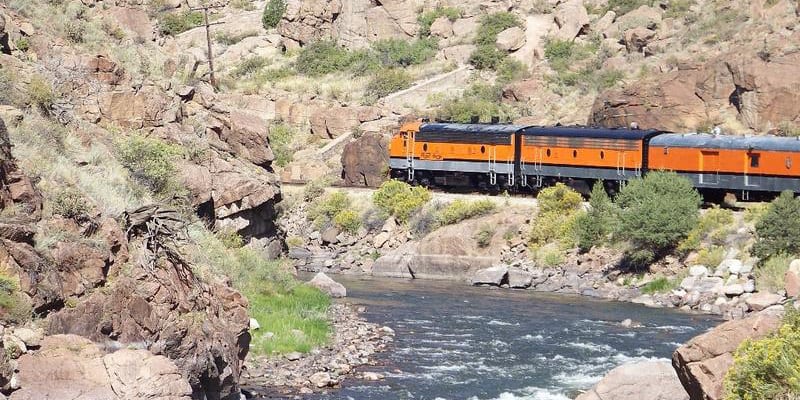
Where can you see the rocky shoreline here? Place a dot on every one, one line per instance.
(353, 343)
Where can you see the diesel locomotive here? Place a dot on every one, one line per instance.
(495, 157)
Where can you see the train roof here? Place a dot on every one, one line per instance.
(589, 132)
(703, 140)
(503, 129)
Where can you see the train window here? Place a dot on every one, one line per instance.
(754, 160)
(666, 150)
(483, 149)
(548, 152)
(425, 147)
(788, 163)
(574, 153)
(602, 154)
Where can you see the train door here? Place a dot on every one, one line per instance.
(408, 144)
(709, 167)
(751, 170)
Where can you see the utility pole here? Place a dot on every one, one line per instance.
(208, 26)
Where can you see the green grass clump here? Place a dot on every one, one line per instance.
(386, 83)
(622, 7)
(661, 284)
(460, 210)
(174, 23)
(580, 65)
(711, 256)
(273, 12)
(480, 100)
(483, 237)
(250, 66)
(40, 92)
(280, 141)
(770, 274)
(14, 307)
(768, 368)
(399, 199)
(151, 162)
(69, 203)
(294, 313)
(714, 225)
(426, 19)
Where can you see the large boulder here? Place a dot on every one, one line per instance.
(495, 275)
(651, 380)
(511, 39)
(327, 285)
(365, 161)
(702, 363)
(762, 300)
(572, 19)
(72, 367)
(792, 279)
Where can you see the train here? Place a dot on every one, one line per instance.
(495, 157)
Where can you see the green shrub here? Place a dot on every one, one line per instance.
(778, 230)
(315, 189)
(348, 221)
(483, 237)
(40, 92)
(460, 210)
(464, 108)
(249, 66)
(230, 238)
(323, 57)
(75, 31)
(387, 82)
(711, 256)
(510, 70)
(622, 7)
(657, 212)
(770, 273)
(595, 227)
(768, 368)
(70, 203)
(273, 12)
(399, 199)
(229, 39)
(426, 19)
(559, 198)
(174, 23)
(555, 227)
(325, 209)
(492, 24)
(22, 44)
(14, 307)
(402, 53)
(661, 284)
(150, 161)
(487, 56)
(713, 225)
(280, 141)
(550, 257)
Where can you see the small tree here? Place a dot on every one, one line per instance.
(400, 199)
(595, 226)
(273, 12)
(778, 231)
(559, 198)
(657, 212)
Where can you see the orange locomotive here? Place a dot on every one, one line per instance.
(496, 156)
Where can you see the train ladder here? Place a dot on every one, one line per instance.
(410, 156)
(538, 158)
(493, 166)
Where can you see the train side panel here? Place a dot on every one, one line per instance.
(584, 153)
(759, 164)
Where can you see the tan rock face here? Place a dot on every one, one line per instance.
(511, 39)
(792, 279)
(365, 160)
(702, 363)
(761, 94)
(72, 367)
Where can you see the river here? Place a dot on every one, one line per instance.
(455, 341)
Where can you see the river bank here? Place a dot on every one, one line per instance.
(353, 344)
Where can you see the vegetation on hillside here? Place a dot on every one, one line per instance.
(399, 199)
(768, 368)
(487, 55)
(273, 12)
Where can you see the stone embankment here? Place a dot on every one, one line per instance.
(354, 341)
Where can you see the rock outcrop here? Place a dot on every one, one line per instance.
(702, 363)
(72, 367)
(327, 285)
(651, 380)
(760, 93)
(365, 160)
